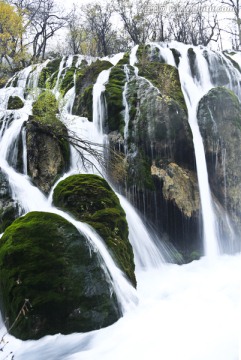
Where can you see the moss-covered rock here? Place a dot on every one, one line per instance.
(219, 118)
(48, 75)
(125, 60)
(85, 80)
(14, 103)
(90, 199)
(114, 98)
(45, 259)
(47, 144)
(166, 78)
(159, 134)
(68, 80)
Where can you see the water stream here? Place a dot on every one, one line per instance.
(189, 312)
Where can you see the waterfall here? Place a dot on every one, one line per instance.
(31, 198)
(99, 107)
(193, 90)
(172, 302)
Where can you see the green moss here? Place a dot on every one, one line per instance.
(68, 81)
(45, 259)
(45, 109)
(85, 79)
(125, 60)
(166, 78)
(49, 74)
(14, 103)
(114, 97)
(46, 105)
(90, 199)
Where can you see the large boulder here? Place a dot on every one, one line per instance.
(219, 118)
(52, 280)
(47, 143)
(90, 199)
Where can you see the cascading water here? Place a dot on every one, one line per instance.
(99, 109)
(193, 90)
(126, 106)
(174, 301)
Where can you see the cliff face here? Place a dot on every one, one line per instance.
(157, 142)
(219, 118)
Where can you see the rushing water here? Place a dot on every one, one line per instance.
(189, 312)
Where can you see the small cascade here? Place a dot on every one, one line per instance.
(165, 53)
(146, 253)
(61, 68)
(99, 106)
(24, 144)
(133, 59)
(126, 106)
(33, 79)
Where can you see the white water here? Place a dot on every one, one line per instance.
(126, 106)
(99, 109)
(193, 91)
(189, 312)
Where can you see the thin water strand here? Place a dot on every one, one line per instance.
(99, 106)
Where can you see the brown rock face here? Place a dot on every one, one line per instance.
(180, 187)
(45, 155)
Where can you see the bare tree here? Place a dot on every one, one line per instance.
(137, 19)
(234, 31)
(98, 21)
(76, 32)
(44, 25)
(188, 23)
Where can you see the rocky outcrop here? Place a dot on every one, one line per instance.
(85, 80)
(9, 209)
(14, 103)
(47, 143)
(52, 280)
(160, 158)
(219, 118)
(89, 198)
(180, 187)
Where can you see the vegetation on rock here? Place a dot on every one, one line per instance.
(85, 80)
(89, 198)
(45, 259)
(14, 103)
(48, 147)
